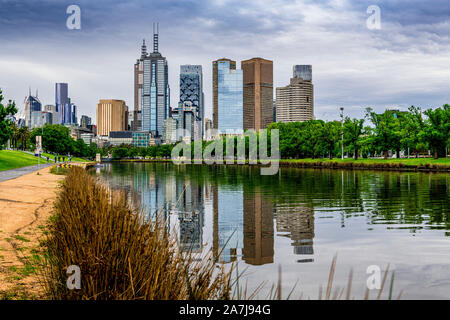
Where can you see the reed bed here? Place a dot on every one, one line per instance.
(121, 254)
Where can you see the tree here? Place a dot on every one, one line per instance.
(6, 130)
(437, 128)
(24, 137)
(353, 130)
(330, 134)
(386, 131)
(55, 138)
(412, 128)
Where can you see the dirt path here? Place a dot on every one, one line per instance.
(26, 204)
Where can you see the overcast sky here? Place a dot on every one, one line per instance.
(405, 62)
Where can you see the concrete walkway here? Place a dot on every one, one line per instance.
(15, 173)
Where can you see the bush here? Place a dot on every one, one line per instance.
(121, 254)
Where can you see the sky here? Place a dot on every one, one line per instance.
(405, 62)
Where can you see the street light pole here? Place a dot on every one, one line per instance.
(342, 133)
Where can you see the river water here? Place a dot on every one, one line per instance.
(299, 219)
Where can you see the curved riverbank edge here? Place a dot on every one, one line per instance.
(347, 165)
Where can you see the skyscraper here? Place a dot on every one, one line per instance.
(111, 116)
(62, 101)
(258, 93)
(52, 109)
(302, 71)
(32, 104)
(138, 83)
(191, 90)
(227, 96)
(295, 102)
(155, 89)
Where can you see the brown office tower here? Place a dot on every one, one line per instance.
(111, 116)
(215, 81)
(258, 93)
(295, 102)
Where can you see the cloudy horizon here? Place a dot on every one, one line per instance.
(406, 62)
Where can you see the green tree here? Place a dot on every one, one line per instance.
(330, 134)
(353, 129)
(55, 138)
(6, 130)
(437, 128)
(386, 132)
(412, 128)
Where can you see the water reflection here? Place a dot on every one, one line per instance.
(243, 216)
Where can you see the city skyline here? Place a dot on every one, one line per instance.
(405, 62)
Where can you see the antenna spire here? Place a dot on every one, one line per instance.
(143, 49)
(155, 36)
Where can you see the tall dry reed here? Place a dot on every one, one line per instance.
(121, 254)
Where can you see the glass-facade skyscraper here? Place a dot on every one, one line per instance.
(191, 90)
(32, 104)
(62, 101)
(155, 90)
(302, 71)
(229, 98)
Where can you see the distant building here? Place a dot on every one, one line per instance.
(111, 116)
(188, 122)
(116, 138)
(87, 138)
(85, 121)
(227, 96)
(141, 139)
(170, 131)
(295, 102)
(52, 109)
(40, 118)
(302, 71)
(32, 104)
(155, 87)
(208, 130)
(62, 101)
(191, 90)
(258, 93)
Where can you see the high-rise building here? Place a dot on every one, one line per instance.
(258, 93)
(62, 101)
(52, 109)
(295, 102)
(302, 71)
(40, 118)
(138, 84)
(215, 79)
(111, 116)
(85, 121)
(191, 90)
(155, 89)
(227, 96)
(32, 104)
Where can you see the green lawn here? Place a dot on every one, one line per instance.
(52, 157)
(411, 161)
(16, 159)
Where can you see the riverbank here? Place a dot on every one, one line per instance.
(26, 204)
(412, 164)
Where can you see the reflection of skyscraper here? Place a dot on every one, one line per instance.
(227, 223)
(298, 223)
(258, 229)
(191, 216)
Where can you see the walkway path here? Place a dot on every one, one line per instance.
(15, 173)
(26, 203)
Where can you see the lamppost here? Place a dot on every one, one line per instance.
(342, 133)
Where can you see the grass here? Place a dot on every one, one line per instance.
(74, 159)
(121, 253)
(16, 159)
(410, 161)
